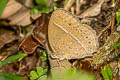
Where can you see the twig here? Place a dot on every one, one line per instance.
(111, 25)
(107, 27)
(69, 5)
(78, 5)
(73, 10)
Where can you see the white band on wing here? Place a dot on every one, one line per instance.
(72, 36)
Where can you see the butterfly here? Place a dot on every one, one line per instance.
(68, 38)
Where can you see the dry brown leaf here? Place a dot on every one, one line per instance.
(28, 3)
(11, 8)
(40, 32)
(10, 68)
(83, 64)
(35, 16)
(6, 36)
(38, 37)
(22, 18)
(9, 50)
(29, 45)
(19, 14)
(92, 11)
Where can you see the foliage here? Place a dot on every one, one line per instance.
(116, 45)
(34, 10)
(42, 2)
(8, 76)
(24, 30)
(12, 58)
(107, 73)
(39, 75)
(86, 23)
(72, 74)
(41, 6)
(119, 64)
(44, 57)
(2, 5)
(118, 16)
(113, 3)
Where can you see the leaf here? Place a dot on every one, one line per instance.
(116, 45)
(33, 75)
(24, 30)
(41, 6)
(44, 77)
(107, 73)
(40, 71)
(39, 75)
(44, 57)
(119, 64)
(86, 23)
(12, 58)
(8, 76)
(45, 10)
(2, 5)
(48, 10)
(118, 16)
(44, 71)
(34, 11)
(42, 2)
(72, 74)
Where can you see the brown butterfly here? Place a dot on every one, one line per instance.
(68, 38)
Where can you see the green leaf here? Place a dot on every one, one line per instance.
(2, 5)
(116, 45)
(44, 57)
(24, 30)
(71, 74)
(8, 76)
(45, 70)
(86, 23)
(44, 77)
(34, 11)
(45, 10)
(41, 6)
(118, 16)
(33, 75)
(12, 58)
(44, 53)
(107, 73)
(39, 75)
(54, 5)
(40, 71)
(42, 2)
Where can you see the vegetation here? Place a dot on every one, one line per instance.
(30, 53)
